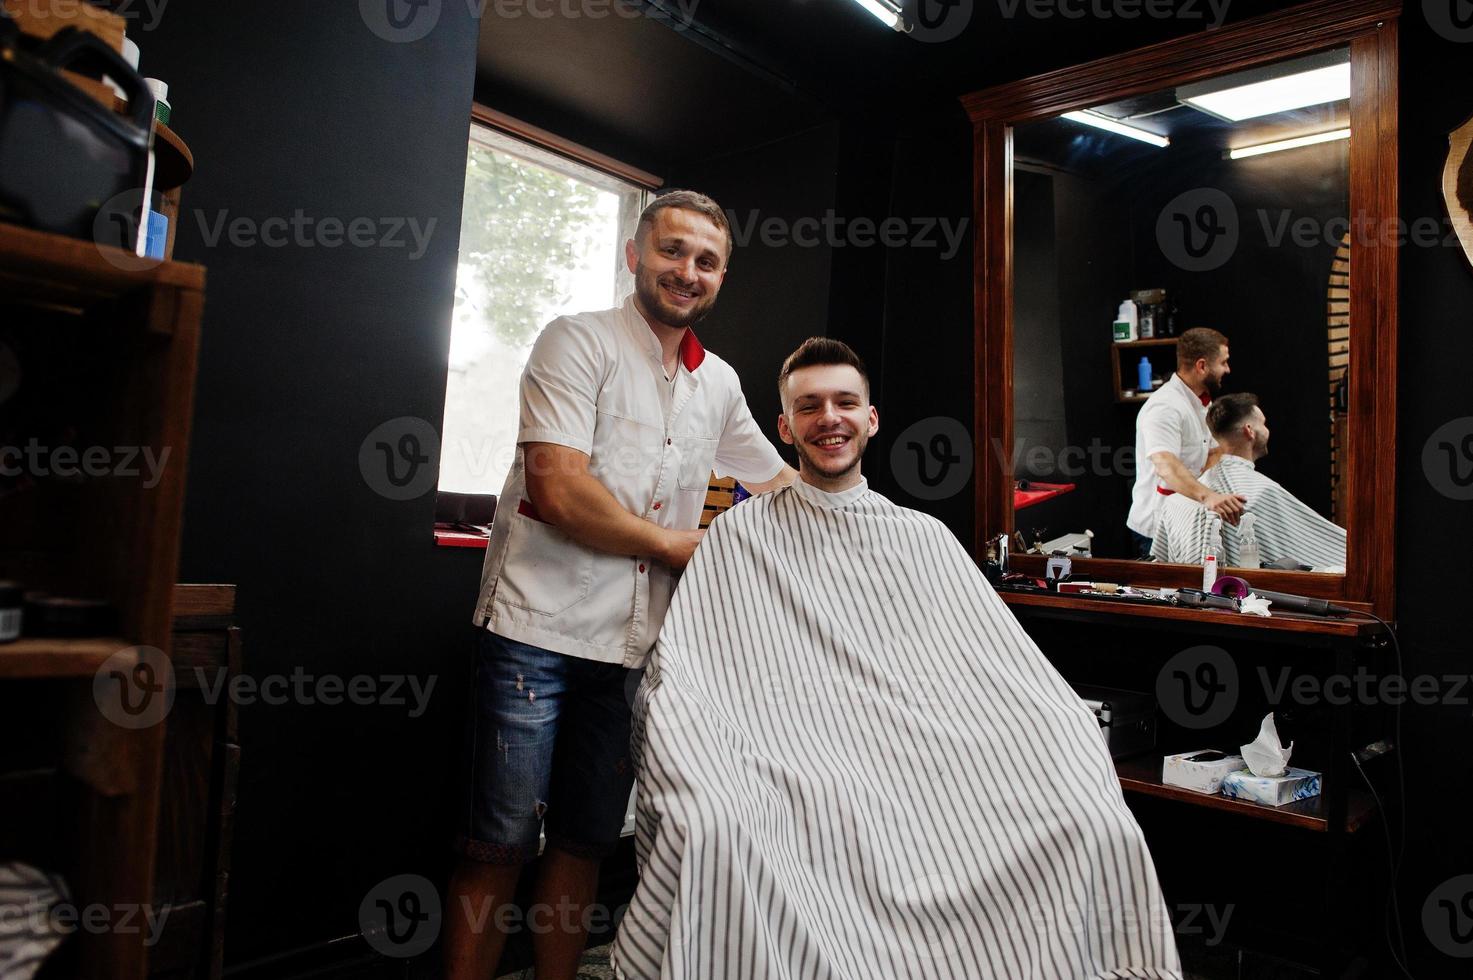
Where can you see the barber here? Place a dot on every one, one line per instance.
(623, 417)
(1173, 445)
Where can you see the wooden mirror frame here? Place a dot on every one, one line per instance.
(1369, 28)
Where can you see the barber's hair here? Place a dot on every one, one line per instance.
(816, 352)
(1199, 342)
(1228, 413)
(687, 201)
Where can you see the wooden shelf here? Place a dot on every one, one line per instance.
(173, 162)
(1142, 774)
(1152, 342)
(1198, 620)
(39, 658)
(56, 269)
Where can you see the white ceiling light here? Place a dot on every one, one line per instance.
(888, 11)
(1114, 126)
(1293, 144)
(1278, 88)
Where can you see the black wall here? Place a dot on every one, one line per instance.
(305, 351)
(775, 294)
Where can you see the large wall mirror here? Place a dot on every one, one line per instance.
(1193, 247)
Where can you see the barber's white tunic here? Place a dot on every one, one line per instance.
(1174, 420)
(595, 383)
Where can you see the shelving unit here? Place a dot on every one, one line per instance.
(1120, 372)
(1333, 647)
(107, 356)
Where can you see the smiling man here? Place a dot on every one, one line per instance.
(827, 416)
(853, 762)
(624, 415)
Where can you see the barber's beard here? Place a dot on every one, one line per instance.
(647, 287)
(1214, 385)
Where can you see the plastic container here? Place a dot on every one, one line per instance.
(157, 240)
(1248, 542)
(1127, 326)
(162, 110)
(1143, 375)
(1209, 572)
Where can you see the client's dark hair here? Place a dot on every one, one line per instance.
(1229, 412)
(816, 352)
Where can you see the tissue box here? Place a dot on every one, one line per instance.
(1294, 784)
(1201, 777)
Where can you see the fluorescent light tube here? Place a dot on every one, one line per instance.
(1293, 144)
(890, 18)
(1249, 95)
(1119, 128)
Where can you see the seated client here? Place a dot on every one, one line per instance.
(854, 763)
(1285, 528)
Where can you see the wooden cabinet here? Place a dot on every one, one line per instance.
(1315, 851)
(103, 366)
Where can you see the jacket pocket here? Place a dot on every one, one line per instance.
(545, 572)
(697, 456)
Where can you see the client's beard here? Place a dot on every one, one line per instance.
(861, 441)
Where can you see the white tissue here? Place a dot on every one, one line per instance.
(1254, 606)
(1266, 755)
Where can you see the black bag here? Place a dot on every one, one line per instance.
(68, 164)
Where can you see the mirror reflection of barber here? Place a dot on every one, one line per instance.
(1173, 445)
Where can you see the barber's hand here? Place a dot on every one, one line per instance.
(679, 546)
(1228, 506)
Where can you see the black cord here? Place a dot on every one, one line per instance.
(1395, 855)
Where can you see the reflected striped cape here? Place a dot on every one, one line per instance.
(1285, 526)
(855, 763)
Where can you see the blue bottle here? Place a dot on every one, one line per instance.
(1144, 371)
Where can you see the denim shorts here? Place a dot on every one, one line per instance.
(547, 741)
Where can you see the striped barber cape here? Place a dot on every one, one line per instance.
(855, 763)
(1284, 526)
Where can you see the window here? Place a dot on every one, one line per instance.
(540, 236)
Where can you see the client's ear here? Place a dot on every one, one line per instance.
(782, 429)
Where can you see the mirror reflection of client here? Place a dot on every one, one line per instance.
(1172, 442)
(1285, 527)
(855, 763)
